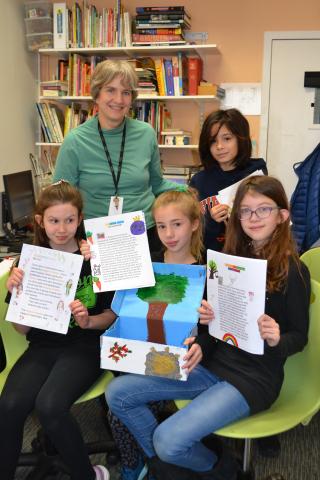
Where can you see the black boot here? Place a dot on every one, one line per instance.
(226, 468)
(167, 471)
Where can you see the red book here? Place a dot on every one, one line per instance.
(194, 74)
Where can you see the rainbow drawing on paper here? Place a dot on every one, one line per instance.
(229, 338)
(234, 268)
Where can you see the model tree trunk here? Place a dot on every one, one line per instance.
(156, 333)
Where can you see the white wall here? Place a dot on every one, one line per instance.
(18, 91)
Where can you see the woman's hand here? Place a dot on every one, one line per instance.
(80, 313)
(219, 213)
(206, 313)
(193, 356)
(269, 330)
(15, 278)
(85, 249)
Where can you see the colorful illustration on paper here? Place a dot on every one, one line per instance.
(213, 270)
(138, 226)
(163, 364)
(234, 268)
(118, 351)
(229, 338)
(169, 289)
(89, 237)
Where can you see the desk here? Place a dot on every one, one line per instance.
(11, 247)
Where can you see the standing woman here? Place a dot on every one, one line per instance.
(114, 160)
(225, 152)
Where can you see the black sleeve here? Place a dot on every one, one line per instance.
(207, 343)
(297, 300)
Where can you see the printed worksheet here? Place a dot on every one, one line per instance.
(49, 286)
(120, 256)
(226, 196)
(236, 290)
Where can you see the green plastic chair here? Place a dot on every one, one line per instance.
(311, 258)
(14, 345)
(299, 398)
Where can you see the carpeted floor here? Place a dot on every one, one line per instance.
(299, 458)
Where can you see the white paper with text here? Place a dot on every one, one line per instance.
(236, 290)
(49, 286)
(120, 256)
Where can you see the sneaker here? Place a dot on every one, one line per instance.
(101, 472)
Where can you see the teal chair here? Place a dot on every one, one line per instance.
(299, 398)
(311, 258)
(14, 345)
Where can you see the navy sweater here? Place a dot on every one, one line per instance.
(208, 183)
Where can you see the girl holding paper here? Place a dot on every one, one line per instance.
(225, 152)
(56, 369)
(230, 383)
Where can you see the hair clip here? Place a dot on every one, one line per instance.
(59, 182)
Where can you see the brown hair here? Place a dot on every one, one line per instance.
(189, 204)
(237, 124)
(57, 193)
(107, 70)
(280, 246)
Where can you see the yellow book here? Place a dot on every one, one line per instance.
(158, 62)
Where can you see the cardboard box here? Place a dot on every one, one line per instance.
(153, 323)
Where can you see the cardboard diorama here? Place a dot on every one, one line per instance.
(153, 323)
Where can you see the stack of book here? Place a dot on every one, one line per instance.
(175, 137)
(147, 81)
(176, 174)
(54, 88)
(160, 25)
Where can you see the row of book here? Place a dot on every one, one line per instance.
(87, 27)
(165, 76)
(179, 174)
(56, 123)
(160, 25)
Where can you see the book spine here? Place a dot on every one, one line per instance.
(43, 123)
(169, 76)
(194, 74)
(159, 9)
(160, 79)
(137, 37)
(161, 31)
(60, 22)
(176, 76)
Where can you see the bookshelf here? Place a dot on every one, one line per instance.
(48, 57)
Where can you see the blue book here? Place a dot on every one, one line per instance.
(169, 76)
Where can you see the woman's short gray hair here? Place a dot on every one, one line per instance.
(107, 70)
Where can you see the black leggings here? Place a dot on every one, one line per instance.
(48, 380)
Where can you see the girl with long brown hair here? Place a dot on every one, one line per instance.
(230, 383)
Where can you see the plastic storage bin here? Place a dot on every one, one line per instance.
(38, 8)
(40, 40)
(38, 25)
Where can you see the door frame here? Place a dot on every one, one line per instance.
(269, 37)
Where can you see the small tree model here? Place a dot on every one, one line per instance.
(213, 270)
(169, 289)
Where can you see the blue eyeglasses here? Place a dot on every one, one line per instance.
(261, 212)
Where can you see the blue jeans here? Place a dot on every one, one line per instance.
(215, 403)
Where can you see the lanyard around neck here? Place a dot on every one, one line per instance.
(114, 177)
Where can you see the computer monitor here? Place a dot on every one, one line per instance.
(19, 198)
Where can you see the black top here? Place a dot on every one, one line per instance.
(259, 377)
(96, 303)
(208, 183)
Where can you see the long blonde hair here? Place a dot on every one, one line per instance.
(188, 202)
